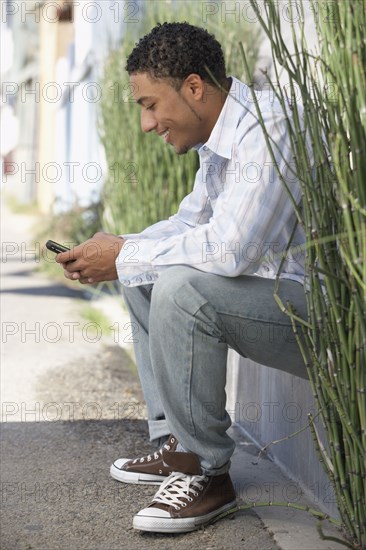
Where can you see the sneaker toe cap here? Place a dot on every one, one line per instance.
(120, 462)
(153, 512)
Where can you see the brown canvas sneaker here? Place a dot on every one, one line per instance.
(185, 502)
(149, 469)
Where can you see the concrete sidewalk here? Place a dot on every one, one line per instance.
(71, 404)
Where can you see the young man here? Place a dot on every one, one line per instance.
(197, 282)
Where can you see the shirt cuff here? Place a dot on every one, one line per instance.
(133, 263)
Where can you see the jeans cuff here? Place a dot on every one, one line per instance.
(215, 471)
(157, 429)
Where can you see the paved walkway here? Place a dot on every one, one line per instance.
(71, 404)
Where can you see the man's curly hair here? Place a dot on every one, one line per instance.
(175, 50)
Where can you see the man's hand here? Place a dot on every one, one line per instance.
(92, 261)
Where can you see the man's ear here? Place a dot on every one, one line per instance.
(194, 87)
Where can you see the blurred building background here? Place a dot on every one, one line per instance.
(53, 54)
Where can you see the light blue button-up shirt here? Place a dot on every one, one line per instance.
(238, 218)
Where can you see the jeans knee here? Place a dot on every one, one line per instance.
(136, 297)
(171, 280)
(176, 288)
(167, 284)
(131, 294)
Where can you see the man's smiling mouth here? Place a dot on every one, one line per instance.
(165, 135)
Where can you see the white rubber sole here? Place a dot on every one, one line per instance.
(155, 524)
(136, 478)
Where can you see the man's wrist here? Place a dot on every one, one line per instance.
(121, 241)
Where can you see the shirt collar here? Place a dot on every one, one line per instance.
(222, 136)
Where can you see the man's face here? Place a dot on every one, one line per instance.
(176, 116)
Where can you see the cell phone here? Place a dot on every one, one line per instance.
(56, 247)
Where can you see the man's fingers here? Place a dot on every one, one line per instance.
(70, 255)
(72, 275)
(74, 265)
(86, 280)
(64, 257)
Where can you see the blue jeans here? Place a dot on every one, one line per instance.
(186, 321)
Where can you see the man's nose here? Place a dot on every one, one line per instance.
(148, 121)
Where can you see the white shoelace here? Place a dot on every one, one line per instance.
(148, 457)
(177, 489)
(155, 455)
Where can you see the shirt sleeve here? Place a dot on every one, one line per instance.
(248, 216)
(194, 209)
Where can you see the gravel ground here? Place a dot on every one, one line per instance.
(57, 492)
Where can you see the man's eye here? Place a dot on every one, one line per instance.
(150, 107)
